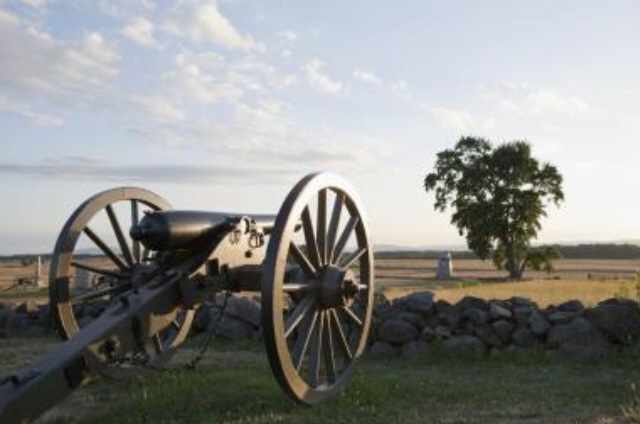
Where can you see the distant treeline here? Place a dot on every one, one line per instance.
(578, 251)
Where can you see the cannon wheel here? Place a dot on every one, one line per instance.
(317, 289)
(98, 224)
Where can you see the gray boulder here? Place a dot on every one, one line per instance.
(561, 317)
(485, 333)
(538, 324)
(427, 335)
(503, 329)
(579, 340)
(235, 329)
(521, 315)
(518, 301)
(475, 315)
(387, 310)
(396, 331)
(412, 318)
(618, 319)
(498, 311)
(574, 306)
(464, 346)
(468, 302)
(11, 325)
(442, 332)
(420, 303)
(523, 337)
(242, 308)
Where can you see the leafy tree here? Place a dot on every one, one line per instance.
(498, 195)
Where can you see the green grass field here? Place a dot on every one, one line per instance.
(235, 386)
(234, 382)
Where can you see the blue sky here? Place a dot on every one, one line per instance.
(225, 105)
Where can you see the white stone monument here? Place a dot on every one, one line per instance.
(38, 274)
(445, 267)
(84, 279)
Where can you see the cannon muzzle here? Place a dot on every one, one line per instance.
(171, 230)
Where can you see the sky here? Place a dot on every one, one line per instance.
(225, 105)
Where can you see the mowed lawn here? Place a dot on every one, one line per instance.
(234, 385)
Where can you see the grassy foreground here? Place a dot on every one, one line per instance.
(236, 386)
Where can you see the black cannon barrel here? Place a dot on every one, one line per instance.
(175, 229)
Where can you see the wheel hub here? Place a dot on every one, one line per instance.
(337, 287)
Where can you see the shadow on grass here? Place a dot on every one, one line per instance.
(432, 388)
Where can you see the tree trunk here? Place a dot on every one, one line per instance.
(512, 264)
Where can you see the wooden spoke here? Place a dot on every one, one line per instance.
(176, 325)
(332, 232)
(316, 351)
(295, 287)
(344, 237)
(124, 247)
(304, 337)
(298, 313)
(354, 256)
(157, 343)
(94, 295)
(105, 249)
(343, 344)
(321, 227)
(327, 348)
(310, 239)
(307, 267)
(96, 270)
(135, 218)
(351, 315)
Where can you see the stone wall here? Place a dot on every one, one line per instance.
(413, 324)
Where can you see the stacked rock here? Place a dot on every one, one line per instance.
(410, 325)
(27, 319)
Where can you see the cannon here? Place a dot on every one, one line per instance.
(312, 265)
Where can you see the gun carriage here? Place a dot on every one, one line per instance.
(312, 265)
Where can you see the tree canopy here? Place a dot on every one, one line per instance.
(498, 195)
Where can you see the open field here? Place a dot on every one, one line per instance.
(588, 280)
(235, 386)
(234, 383)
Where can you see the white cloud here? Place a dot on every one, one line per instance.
(37, 66)
(43, 119)
(366, 76)
(141, 31)
(159, 107)
(35, 4)
(547, 100)
(205, 24)
(165, 136)
(318, 80)
(287, 35)
(524, 100)
(401, 88)
(459, 120)
(37, 118)
(124, 9)
(200, 78)
(8, 20)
